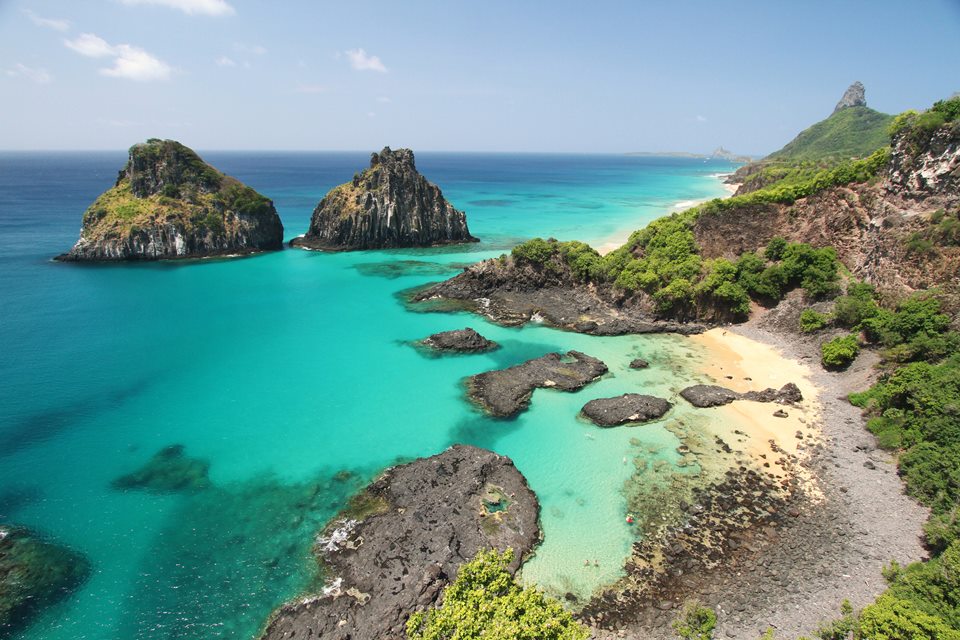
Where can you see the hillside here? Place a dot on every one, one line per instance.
(850, 132)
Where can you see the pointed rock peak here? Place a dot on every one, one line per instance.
(390, 157)
(854, 96)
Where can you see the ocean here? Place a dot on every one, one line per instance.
(293, 374)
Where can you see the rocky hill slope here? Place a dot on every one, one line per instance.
(388, 205)
(168, 203)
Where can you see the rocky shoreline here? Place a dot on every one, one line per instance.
(792, 538)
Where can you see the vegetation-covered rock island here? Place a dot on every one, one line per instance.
(387, 205)
(168, 203)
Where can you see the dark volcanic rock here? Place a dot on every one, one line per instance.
(512, 293)
(639, 363)
(630, 407)
(428, 517)
(462, 341)
(854, 96)
(709, 395)
(506, 392)
(168, 471)
(168, 203)
(33, 575)
(387, 205)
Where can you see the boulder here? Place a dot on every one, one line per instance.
(630, 407)
(461, 341)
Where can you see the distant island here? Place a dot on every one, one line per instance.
(168, 203)
(718, 154)
(387, 205)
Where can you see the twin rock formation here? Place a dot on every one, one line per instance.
(168, 203)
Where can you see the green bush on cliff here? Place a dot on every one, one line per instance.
(486, 602)
(850, 310)
(839, 352)
(536, 251)
(695, 622)
(811, 321)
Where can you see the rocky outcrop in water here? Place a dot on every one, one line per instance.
(385, 206)
(506, 392)
(854, 96)
(512, 293)
(170, 470)
(459, 341)
(34, 574)
(625, 409)
(403, 540)
(168, 203)
(709, 395)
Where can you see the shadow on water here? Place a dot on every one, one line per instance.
(227, 556)
(401, 268)
(45, 425)
(481, 431)
(16, 497)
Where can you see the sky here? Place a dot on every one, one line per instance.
(496, 75)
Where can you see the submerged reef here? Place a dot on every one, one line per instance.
(169, 470)
(34, 574)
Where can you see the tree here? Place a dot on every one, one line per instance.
(695, 622)
(486, 602)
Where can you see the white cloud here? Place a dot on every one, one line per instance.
(133, 63)
(225, 61)
(384, 100)
(362, 61)
(40, 76)
(310, 88)
(371, 114)
(190, 7)
(90, 45)
(130, 62)
(701, 119)
(46, 23)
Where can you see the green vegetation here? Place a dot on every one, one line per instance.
(662, 261)
(790, 183)
(811, 321)
(854, 131)
(916, 127)
(839, 352)
(486, 602)
(695, 622)
(165, 180)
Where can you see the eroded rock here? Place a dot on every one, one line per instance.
(630, 407)
(404, 540)
(710, 395)
(506, 392)
(460, 341)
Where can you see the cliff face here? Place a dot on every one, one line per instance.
(888, 233)
(387, 205)
(168, 203)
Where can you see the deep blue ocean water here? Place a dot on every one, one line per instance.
(283, 371)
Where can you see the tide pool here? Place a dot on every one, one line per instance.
(292, 374)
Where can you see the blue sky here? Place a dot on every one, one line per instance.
(451, 75)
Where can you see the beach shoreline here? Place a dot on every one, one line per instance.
(620, 238)
(834, 533)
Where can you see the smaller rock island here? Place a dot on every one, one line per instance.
(168, 203)
(388, 205)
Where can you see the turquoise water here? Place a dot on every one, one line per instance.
(286, 370)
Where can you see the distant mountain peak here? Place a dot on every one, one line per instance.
(854, 96)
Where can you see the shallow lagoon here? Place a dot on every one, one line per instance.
(282, 371)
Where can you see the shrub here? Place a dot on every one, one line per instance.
(486, 602)
(811, 321)
(839, 352)
(775, 248)
(893, 618)
(536, 251)
(695, 622)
